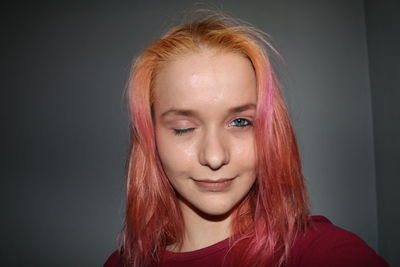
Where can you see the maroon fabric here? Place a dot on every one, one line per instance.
(323, 244)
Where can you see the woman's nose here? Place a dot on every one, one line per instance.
(214, 151)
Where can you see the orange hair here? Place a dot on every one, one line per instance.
(267, 220)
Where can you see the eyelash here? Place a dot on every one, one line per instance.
(182, 131)
(246, 121)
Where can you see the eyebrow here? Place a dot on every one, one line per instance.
(192, 113)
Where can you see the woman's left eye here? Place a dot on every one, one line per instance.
(241, 122)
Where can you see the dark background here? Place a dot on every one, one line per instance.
(64, 134)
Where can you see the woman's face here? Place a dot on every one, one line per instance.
(204, 109)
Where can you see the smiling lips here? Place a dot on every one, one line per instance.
(214, 185)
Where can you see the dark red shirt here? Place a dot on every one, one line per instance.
(323, 244)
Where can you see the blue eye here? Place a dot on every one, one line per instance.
(182, 131)
(240, 122)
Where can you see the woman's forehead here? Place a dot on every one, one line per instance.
(206, 78)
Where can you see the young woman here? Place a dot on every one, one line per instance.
(214, 176)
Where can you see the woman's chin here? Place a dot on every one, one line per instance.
(212, 211)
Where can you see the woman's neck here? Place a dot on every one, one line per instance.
(202, 230)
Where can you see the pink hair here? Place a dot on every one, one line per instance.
(266, 222)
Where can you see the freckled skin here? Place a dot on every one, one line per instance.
(209, 84)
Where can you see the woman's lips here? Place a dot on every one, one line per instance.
(214, 185)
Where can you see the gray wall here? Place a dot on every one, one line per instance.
(65, 129)
(383, 28)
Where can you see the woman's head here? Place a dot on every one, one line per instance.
(203, 112)
(205, 108)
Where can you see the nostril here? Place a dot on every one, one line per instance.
(215, 159)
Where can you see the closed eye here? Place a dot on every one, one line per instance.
(182, 131)
(241, 123)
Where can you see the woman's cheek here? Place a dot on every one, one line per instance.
(177, 155)
(244, 152)
(184, 156)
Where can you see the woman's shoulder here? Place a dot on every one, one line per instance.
(324, 244)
